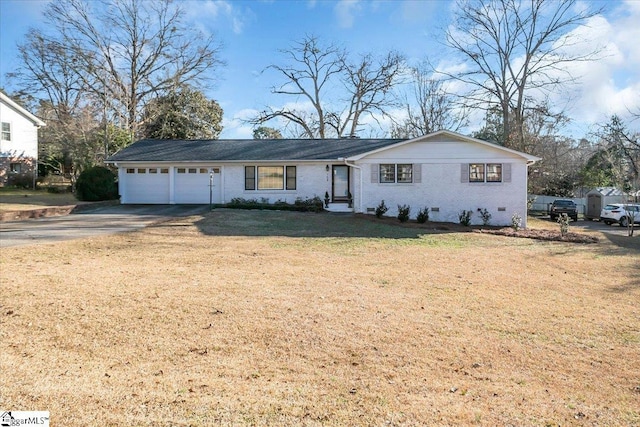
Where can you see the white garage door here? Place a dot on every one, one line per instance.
(192, 185)
(146, 185)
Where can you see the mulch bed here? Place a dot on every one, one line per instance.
(435, 227)
(549, 235)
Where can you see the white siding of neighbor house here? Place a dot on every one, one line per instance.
(24, 134)
(440, 183)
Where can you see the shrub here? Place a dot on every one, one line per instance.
(465, 218)
(381, 209)
(485, 215)
(516, 221)
(403, 213)
(95, 184)
(313, 204)
(21, 180)
(563, 220)
(423, 215)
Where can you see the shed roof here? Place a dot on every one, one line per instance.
(247, 149)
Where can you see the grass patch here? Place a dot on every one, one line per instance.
(286, 318)
(15, 199)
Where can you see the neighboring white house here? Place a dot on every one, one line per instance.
(444, 171)
(18, 141)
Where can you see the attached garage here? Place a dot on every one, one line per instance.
(145, 185)
(170, 184)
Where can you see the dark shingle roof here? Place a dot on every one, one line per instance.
(248, 149)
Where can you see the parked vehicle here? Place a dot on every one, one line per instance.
(560, 206)
(621, 213)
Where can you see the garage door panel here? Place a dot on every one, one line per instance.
(147, 186)
(192, 185)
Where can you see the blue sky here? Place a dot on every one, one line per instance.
(252, 31)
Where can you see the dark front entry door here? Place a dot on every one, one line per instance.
(340, 183)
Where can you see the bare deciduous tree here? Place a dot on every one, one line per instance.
(127, 51)
(429, 108)
(315, 71)
(514, 48)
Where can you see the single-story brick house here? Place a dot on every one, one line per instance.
(444, 171)
(18, 142)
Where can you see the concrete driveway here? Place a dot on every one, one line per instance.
(106, 220)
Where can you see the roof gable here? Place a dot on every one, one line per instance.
(15, 106)
(447, 136)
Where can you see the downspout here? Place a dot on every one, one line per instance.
(526, 186)
(351, 165)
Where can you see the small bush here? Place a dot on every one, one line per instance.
(485, 215)
(381, 209)
(403, 213)
(95, 184)
(516, 221)
(465, 217)
(423, 215)
(21, 180)
(563, 220)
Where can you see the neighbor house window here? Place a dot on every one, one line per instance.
(15, 167)
(485, 172)
(392, 173)
(6, 131)
(270, 177)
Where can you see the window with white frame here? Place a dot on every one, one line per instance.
(270, 177)
(15, 167)
(6, 131)
(396, 173)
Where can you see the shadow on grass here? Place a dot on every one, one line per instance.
(227, 222)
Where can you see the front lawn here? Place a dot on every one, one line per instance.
(288, 318)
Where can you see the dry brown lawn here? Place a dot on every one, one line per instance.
(273, 318)
(18, 199)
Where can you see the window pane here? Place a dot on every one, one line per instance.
(193, 170)
(181, 170)
(16, 167)
(204, 170)
(153, 170)
(249, 178)
(476, 172)
(291, 177)
(142, 170)
(164, 170)
(387, 173)
(131, 170)
(270, 177)
(494, 172)
(405, 173)
(6, 131)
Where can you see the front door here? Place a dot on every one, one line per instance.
(340, 183)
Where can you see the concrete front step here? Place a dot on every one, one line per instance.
(338, 207)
